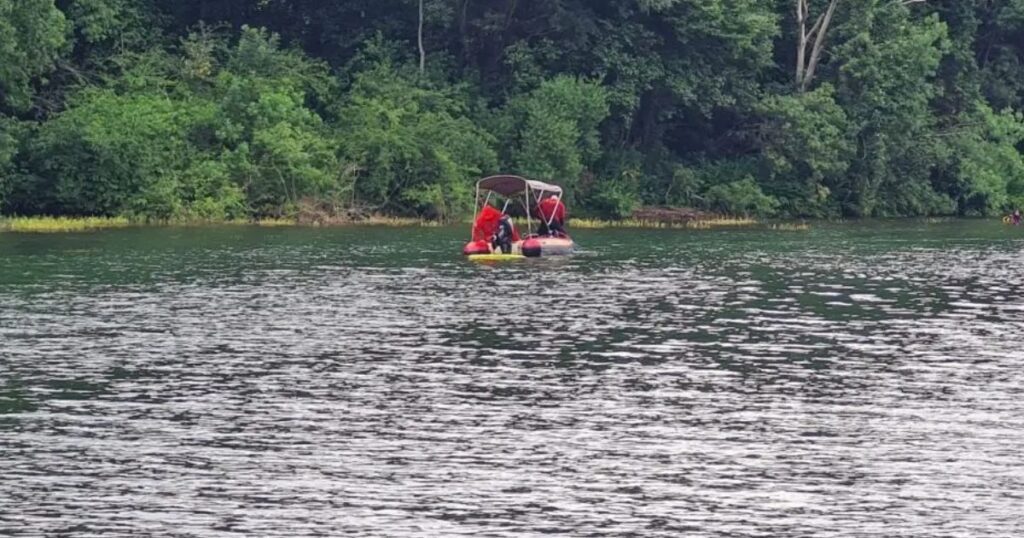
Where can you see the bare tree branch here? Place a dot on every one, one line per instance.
(817, 25)
(801, 49)
(819, 43)
(815, 37)
(419, 41)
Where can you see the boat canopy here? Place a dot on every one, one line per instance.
(519, 190)
(511, 185)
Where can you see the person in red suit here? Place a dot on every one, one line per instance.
(495, 230)
(551, 212)
(486, 223)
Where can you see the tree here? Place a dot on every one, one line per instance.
(860, 107)
(985, 174)
(413, 146)
(558, 129)
(110, 155)
(888, 64)
(805, 145)
(32, 37)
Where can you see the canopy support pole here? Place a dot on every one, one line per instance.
(476, 209)
(558, 200)
(526, 206)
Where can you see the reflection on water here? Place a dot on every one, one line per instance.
(850, 381)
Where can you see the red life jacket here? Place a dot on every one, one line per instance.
(549, 207)
(486, 223)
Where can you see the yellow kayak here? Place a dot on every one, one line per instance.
(495, 257)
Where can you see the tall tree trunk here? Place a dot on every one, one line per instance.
(805, 67)
(510, 14)
(819, 44)
(463, 30)
(801, 48)
(419, 41)
(814, 37)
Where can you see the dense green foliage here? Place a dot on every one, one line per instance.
(213, 109)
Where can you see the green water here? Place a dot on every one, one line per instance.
(848, 380)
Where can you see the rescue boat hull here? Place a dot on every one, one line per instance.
(535, 247)
(531, 247)
(495, 257)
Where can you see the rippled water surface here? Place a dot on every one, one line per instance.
(851, 380)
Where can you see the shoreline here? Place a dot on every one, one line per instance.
(45, 224)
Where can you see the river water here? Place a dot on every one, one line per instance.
(850, 380)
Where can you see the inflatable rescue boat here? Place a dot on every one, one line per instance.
(540, 203)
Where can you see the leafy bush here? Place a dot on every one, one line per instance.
(742, 197)
(987, 167)
(414, 146)
(805, 149)
(557, 129)
(155, 145)
(107, 154)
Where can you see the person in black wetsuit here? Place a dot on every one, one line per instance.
(503, 236)
(555, 229)
(1015, 217)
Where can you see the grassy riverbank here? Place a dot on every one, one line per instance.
(60, 224)
(45, 224)
(84, 224)
(699, 224)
